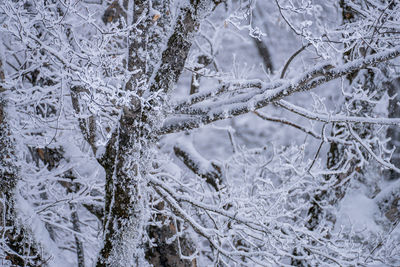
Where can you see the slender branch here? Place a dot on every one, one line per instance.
(285, 19)
(283, 121)
(369, 150)
(335, 118)
(319, 149)
(291, 59)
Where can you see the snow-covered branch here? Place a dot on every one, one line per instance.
(272, 92)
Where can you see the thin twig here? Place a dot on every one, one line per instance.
(291, 58)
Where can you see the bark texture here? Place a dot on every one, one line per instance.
(123, 219)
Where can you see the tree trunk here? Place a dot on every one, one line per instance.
(125, 158)
(124, 218)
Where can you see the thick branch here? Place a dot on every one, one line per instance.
(311, 79)
(174, 56)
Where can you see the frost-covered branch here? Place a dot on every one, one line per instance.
(271, 93)
(336, 118)
(210, 171)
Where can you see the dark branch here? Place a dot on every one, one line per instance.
(178, 46)
(210, 171)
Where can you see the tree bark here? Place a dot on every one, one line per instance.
(123, 221)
